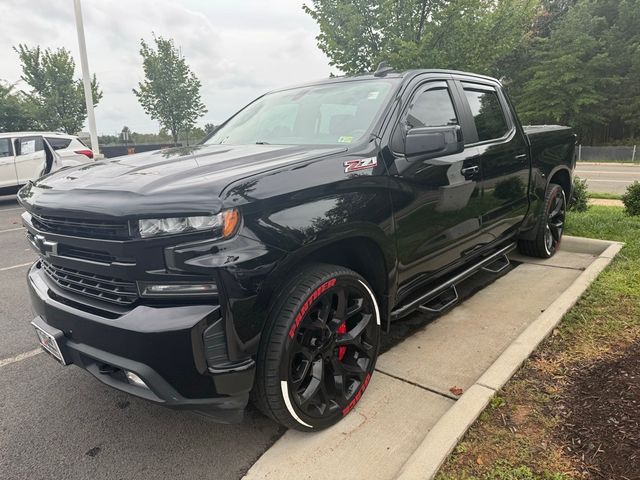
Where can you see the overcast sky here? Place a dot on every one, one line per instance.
(237, 48)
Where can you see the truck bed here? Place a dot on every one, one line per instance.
(551, 145)
(535, 132)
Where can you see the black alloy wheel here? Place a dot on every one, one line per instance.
(550, 227)
(327, 352)
(555, 222)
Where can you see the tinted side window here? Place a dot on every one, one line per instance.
(59, 143)
(487, 113)
(5, 147)
(432, 108)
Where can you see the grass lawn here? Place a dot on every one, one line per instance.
(538, 426)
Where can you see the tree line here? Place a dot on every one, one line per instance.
(54, 101)
(186, 137)
(573, 62)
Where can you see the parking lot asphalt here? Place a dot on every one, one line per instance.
(60, 423)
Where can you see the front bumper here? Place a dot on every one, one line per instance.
(169, 348)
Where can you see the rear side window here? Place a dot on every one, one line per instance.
(29, 145)
(59, 143)
(432, 108)
(5, 148)
(487, 113)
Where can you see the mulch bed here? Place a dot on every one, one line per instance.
(601, 409)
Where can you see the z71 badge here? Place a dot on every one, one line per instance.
(359, 164)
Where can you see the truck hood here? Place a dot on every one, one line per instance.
(181, 180)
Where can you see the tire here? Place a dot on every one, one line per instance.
(550, 225)
(319, 348)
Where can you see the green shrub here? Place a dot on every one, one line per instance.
(579, 202)
(631, 199)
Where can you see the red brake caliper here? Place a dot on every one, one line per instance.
(342, 329)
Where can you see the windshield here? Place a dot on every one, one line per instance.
(322, 114)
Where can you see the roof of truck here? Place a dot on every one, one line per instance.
(403, 74)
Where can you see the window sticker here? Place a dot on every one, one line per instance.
(345, 139)
(373, 95)
(27, 147)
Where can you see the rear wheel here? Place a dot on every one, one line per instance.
(319, 349)
(550, 227)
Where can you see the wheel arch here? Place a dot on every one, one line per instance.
(362, 254)
(562, 176)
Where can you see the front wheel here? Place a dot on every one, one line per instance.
(319, 348)
(550, 226)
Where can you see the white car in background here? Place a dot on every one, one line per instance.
(27, 156)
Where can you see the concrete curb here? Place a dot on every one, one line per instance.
(427, 459)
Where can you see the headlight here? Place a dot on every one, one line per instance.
(223, 225)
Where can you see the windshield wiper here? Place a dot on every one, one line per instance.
(263, 143)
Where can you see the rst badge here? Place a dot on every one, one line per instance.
(360, 164)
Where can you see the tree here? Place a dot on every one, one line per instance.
(461, 34)
(590, 61)
(170, 92)
(58, 97)
(16, 111)
(193, 135)
(108, 139)
(575, 62)
(209, 128)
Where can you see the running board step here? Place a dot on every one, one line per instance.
(495, 263)
(498, 265)
(443, 301)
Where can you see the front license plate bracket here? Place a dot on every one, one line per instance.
(49, 339)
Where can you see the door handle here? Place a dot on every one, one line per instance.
(522, 156)
(469, 171)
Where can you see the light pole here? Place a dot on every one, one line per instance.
(86, 79)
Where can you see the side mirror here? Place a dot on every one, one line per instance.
(430, 142)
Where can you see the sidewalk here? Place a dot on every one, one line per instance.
(411, 417)
(606, 202)
(612, 164)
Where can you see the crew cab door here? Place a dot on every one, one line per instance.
(503, 156)
(437, 196)
(7, 169)
(30, 158)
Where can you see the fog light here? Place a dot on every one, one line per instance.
(176, 289)
(134, 379)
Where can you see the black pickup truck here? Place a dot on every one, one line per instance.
(267, 260)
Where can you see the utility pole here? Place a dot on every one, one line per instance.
(86, 78)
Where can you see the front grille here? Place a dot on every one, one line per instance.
(82, 228)
(85, 254)
(113, 290)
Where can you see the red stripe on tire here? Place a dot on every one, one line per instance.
(308, 302)
(357, 396)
